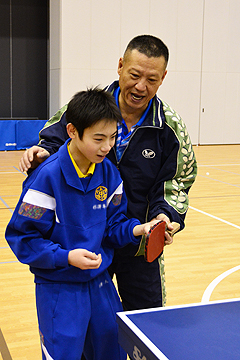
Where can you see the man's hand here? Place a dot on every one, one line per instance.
(84, 259)
(33, 157)
(163, 217)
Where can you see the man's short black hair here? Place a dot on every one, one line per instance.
(88, 107)
(149, 45)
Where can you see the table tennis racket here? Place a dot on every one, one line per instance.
(156, 238)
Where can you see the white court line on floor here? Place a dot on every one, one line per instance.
(208, 292)
(220, 181)
(17, 171)
(215, 217)
(216, 165)
(228, 172)
(9, 172)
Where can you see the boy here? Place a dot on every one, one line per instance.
(69, 219)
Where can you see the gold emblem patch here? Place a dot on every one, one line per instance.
(101, 193)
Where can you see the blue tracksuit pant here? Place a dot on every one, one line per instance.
(79, 318)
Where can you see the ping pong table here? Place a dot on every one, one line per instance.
(190, 332)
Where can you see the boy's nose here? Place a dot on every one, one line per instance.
(107, 147)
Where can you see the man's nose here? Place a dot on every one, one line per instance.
(141, 84)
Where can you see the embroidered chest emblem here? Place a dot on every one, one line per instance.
(101, 193)
(148, 153)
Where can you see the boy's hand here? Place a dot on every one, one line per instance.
(33, 157)
(84, 259)
(144, 228)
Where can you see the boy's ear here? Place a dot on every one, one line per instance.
(71, 130)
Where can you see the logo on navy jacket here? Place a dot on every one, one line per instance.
(148, 153)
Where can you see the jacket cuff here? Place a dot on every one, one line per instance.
(135, 239)
(61, 258)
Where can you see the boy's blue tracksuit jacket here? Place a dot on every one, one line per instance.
(55, 215)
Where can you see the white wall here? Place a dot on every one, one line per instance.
(220, 121)
(87, 38)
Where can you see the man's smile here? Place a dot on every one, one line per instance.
(137, 97)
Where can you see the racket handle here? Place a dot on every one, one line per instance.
(176, 227)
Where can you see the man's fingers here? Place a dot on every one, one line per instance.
(43, 154)
(24, 163)
(168, 239)
(32, 158)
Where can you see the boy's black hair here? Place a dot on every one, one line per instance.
(149, 45)
(88, 107)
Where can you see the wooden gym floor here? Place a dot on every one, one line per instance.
(202, 264)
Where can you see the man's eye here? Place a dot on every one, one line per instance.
(135, 76)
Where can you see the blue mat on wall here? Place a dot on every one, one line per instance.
(19, 134)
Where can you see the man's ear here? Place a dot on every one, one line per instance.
(71, 130)
(120, 65)
(163, 77)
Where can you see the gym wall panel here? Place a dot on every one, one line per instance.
(232, 112)
(202, 37)
(76, 19)
(24, 59)
(134, 20)
(29, 32)
(171, 21)
(215, 36)
(74, 80)
(186, 101)
(164, 24)
(105, 34)
(5, 62)
(213, 108)
(103, 77)
(220, 97)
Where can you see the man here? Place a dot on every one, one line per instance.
(154, 155)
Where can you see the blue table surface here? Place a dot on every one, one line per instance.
(209, 331)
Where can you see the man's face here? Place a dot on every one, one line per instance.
(139, 80)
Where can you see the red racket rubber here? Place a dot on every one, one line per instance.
(155, 241)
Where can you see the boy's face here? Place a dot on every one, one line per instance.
(96, 142)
